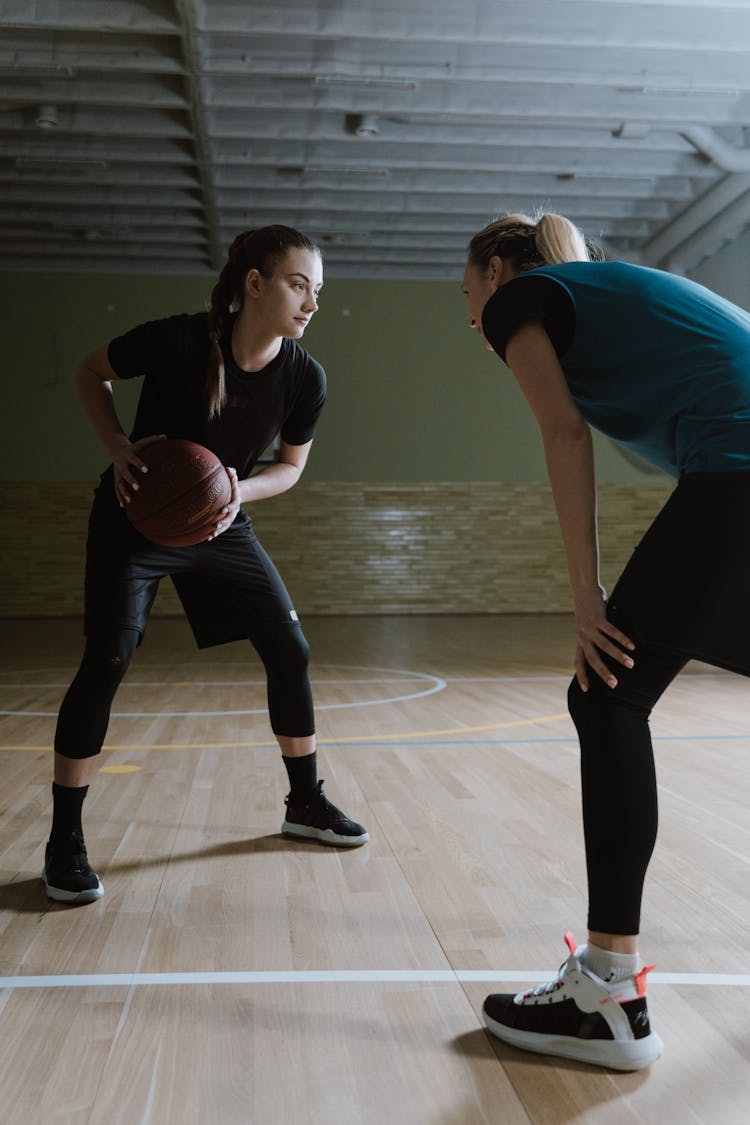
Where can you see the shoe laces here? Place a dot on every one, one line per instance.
(321, 802)
(72, 852)
(550, 986)
(317, 797)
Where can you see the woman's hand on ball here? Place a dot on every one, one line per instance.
(229, 514)
(128, 468)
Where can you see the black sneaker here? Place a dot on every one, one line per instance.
(67, 874)
(579, 1016)
(320, 820)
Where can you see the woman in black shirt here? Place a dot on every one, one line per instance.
(230, 379)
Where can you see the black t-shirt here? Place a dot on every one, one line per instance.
(529, 296)
(285, 397)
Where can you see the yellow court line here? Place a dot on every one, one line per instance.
(323, 741)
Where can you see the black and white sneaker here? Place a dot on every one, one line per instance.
(67, 874)
(319, 820)
(579, 1016)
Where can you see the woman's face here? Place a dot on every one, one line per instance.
(478, 285)
(287, 299)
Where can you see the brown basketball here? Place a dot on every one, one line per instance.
(182, 494)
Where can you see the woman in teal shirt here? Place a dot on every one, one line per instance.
(662, 366)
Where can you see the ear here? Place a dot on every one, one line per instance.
(252, 284)
(497, 273)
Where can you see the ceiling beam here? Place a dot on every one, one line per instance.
(191, 51)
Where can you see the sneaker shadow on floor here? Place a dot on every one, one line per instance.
(258, 845)
(27, 896)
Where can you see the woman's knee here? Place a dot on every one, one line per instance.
(84, 712)
(602, 704)
(283, 649)
(107, 659)
(298, 654)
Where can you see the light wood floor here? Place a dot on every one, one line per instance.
(447, 737)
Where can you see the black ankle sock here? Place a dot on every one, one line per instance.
(66, 810)
(303, 776)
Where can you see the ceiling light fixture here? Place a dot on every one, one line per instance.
(47, 117)
(365, 125)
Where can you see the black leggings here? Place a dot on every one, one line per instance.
(684, 594)
(618, 783)
(84, 714)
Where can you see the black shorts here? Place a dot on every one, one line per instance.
(686, 588)
(226, 586)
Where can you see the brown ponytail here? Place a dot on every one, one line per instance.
(259, 249)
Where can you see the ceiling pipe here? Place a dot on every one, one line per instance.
(695, 218)
(710, 144)
(715, 234)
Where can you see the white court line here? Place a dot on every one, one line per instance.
(437, 685)
(339, 976)
(227, 683)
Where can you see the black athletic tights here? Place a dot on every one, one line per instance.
(684, 593)
(619, 784)
(84, 714)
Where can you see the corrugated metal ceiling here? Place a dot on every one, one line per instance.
(141, 135)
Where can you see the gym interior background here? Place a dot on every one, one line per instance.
(426, 461)
(139, 136)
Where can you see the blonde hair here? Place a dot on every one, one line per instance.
(526, 242)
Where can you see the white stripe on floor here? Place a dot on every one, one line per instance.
(345, 976)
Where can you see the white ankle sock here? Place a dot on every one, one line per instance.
(607, 965)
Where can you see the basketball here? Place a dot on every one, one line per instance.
(181, 496)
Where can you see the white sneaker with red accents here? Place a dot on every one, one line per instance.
(579, 1016)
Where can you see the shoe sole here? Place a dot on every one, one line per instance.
(630, 1055)
(323, 836)
(59, 894)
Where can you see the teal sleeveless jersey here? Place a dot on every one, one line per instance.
(656, 362)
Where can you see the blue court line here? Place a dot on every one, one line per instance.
(393, 741)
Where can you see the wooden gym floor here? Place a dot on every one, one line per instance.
(230, 975)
